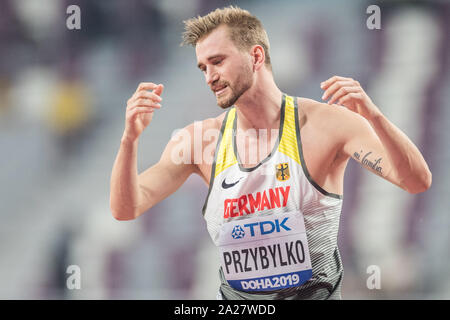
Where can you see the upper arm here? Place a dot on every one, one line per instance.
(169, 173)
(359, 141)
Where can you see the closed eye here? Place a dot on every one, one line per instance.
(215, 60)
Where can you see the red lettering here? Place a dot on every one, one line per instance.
(247, 204)
(226, 209)
(254, 203)
(232, 207)
(285, 194)
(264, 202)
(242, 204)
(274, 199)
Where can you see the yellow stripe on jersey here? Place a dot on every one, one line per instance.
(225, 155)
(288, 144)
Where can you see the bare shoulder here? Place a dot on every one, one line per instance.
(210, 133)
(205, 125)
(214, 123)
(328, 117)
(195, 144)
(310, 107)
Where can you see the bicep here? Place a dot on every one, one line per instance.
(165, 177)
(362, 144)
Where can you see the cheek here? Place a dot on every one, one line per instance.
(246, 73)
(237, 73)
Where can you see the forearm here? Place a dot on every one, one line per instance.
(124, 188)
(408, 163)
(407, 168)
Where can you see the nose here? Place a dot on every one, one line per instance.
(211, 76)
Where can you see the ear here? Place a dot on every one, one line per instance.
(258, 57)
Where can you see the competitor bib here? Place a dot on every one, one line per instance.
(265, 253)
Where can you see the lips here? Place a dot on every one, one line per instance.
(219, 92)
(219, 89)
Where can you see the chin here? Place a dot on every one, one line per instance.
(225, 103)
(223, 106)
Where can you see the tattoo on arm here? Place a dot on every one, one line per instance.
(374, 164)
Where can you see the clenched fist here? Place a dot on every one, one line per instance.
(140, 107)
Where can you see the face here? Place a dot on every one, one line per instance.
(228, 71)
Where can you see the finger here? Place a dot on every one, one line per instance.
(342, 92)
(142, 109)
(159, 89)
(335, 87)
(132, 116)
(146, 95)
(325, 84)
(132, 113)
(349, 96)
(146, 86)
(144, 103)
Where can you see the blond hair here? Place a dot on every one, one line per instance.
(245, 29)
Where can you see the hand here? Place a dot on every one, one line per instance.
(140, 107)
(348, 93)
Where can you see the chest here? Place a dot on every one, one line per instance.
(318, 150)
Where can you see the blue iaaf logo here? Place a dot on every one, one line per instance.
(265, 227)
(237, 232)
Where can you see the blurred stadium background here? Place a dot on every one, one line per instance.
(62, 99)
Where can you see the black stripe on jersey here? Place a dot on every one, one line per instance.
(305, 170)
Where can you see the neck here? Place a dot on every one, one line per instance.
(259, 107)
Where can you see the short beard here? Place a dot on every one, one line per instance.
(244, 82)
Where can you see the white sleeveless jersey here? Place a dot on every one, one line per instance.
(275, 228)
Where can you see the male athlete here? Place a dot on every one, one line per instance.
(273, 215)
